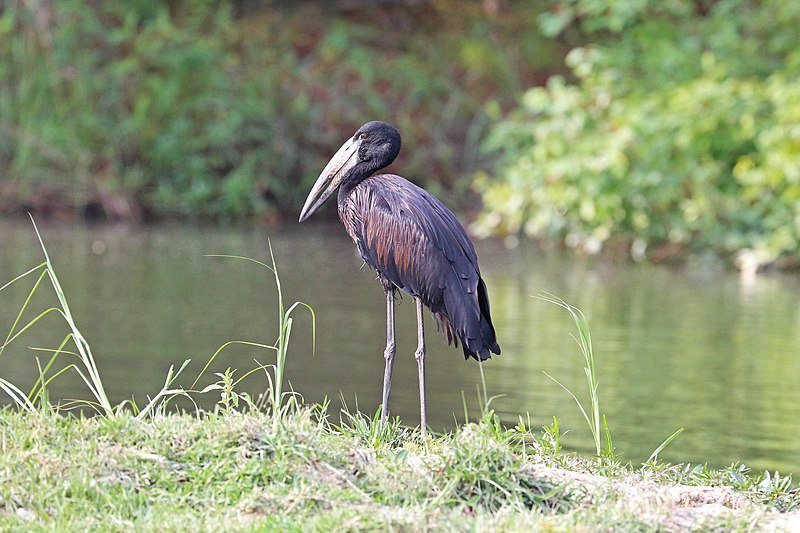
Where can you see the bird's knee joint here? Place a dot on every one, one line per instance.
(419, 354)
(389, 352)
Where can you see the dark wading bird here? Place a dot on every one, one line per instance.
(413, 242)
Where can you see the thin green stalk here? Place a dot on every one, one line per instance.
(220, 349)
(93, 381)
(34, 269)
(9, 338)
(281, 346)
(41, 384)
(667, 441)
(17, 395)
(584, 340)
(483, 385)
(12, 338)
(166, 391)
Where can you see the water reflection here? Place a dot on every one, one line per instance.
(692, 348)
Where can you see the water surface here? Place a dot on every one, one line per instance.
(694, 348)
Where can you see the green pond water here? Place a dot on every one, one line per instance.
(696, 347)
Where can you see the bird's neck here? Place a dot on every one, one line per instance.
(351, 181)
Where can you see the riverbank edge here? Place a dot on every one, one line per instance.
(235, 471)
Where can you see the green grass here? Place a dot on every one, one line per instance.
(240, 471)
(276, 396)
(274, 463)
(87, 369)
(592, 415)
(601, 433)
(274, 400)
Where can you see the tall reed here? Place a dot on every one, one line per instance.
(275, 391)
(597, 424)
(88, 368)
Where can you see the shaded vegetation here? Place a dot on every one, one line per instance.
(227, 110)
(663, 126)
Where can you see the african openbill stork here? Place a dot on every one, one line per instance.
(413, 242)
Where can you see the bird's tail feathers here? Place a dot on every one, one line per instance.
(481, 341)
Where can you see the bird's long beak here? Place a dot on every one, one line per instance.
(330, 178)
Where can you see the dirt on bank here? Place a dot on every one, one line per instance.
(670, 507)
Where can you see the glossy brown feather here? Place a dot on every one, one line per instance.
(416, 245)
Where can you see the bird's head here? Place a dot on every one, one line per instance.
(373, 146)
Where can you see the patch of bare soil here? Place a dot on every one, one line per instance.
(671, 507)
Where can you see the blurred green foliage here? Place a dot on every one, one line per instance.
(230, 109)
(681, 126)
(670, 125)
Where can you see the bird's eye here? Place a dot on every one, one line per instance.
(362, 136)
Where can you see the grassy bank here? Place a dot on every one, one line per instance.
(243, 471)
(273, 462)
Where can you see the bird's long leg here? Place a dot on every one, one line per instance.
(388, 354)
(420, 356)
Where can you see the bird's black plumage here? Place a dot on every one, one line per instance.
(416, 244)
(408, 236)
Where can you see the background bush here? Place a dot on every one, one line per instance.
(682, 127)
(662, 125)
(229, 109)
